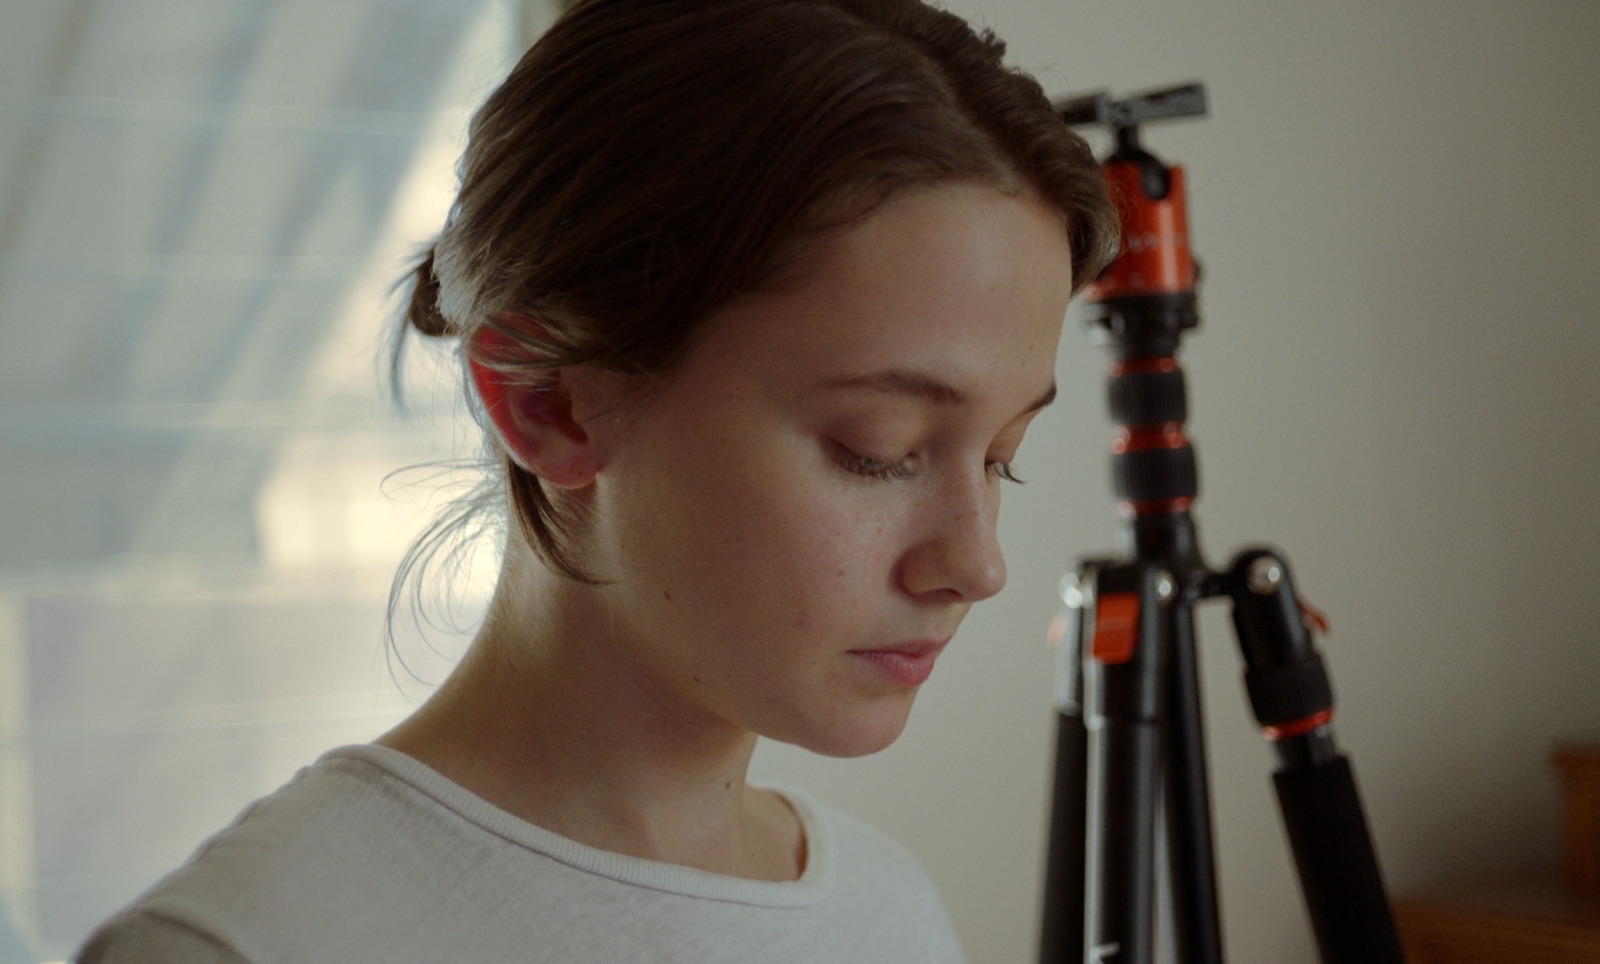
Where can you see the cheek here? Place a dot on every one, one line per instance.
(813, 528)
(786, 540)
(836, 568)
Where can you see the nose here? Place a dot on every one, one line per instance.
(959, 557)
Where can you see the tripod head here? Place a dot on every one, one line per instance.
(1123, 117)
(1154, 266)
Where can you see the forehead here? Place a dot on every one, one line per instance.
(963, 282)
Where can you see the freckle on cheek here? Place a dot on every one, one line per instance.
(666, 594)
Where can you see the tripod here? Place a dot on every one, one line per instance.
(1130, 733)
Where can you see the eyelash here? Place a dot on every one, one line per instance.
(1004, 471)
(858, 464)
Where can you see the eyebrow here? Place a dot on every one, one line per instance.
(919, 385)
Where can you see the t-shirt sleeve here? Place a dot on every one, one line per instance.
(142, 937)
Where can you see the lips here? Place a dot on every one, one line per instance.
(904, 664)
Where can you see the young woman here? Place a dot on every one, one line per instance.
(756, 299)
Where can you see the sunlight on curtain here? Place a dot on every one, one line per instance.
(203, 207)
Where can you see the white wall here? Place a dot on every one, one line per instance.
(1396, 382)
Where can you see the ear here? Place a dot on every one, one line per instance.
(531, 412)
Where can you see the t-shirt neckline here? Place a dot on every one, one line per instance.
(813, 885)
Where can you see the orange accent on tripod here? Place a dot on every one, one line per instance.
(1154, 258)
(1144, 366)
(1168, 435)
(1299, 727)
(1116, 627)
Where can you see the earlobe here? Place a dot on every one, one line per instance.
(530, 409)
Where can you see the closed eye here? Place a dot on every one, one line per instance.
(858, 464)
(905, 468)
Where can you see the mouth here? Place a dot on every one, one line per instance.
(905, 664)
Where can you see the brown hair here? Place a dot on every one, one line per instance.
(649, 160)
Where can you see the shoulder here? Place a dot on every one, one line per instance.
(345, 850)
(141, 937)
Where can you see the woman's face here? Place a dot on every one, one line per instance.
(799, 519)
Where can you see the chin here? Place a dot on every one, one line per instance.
(856, 735)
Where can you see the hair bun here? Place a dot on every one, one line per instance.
(423, 312)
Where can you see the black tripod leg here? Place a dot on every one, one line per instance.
(1338, 867)
(1123, 681)
(1061, 936)
(1197, 927)
(1061, 931)
(1124, 779)
(1293, 701)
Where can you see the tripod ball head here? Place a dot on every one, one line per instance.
(1154, 259)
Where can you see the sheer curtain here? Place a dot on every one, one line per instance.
(203, 205)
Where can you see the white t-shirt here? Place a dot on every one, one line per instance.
(368, 855)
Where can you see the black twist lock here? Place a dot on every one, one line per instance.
(1148, 398)
(1155, 474)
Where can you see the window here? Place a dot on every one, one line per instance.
(203, 205)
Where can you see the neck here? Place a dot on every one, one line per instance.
(554, 717)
